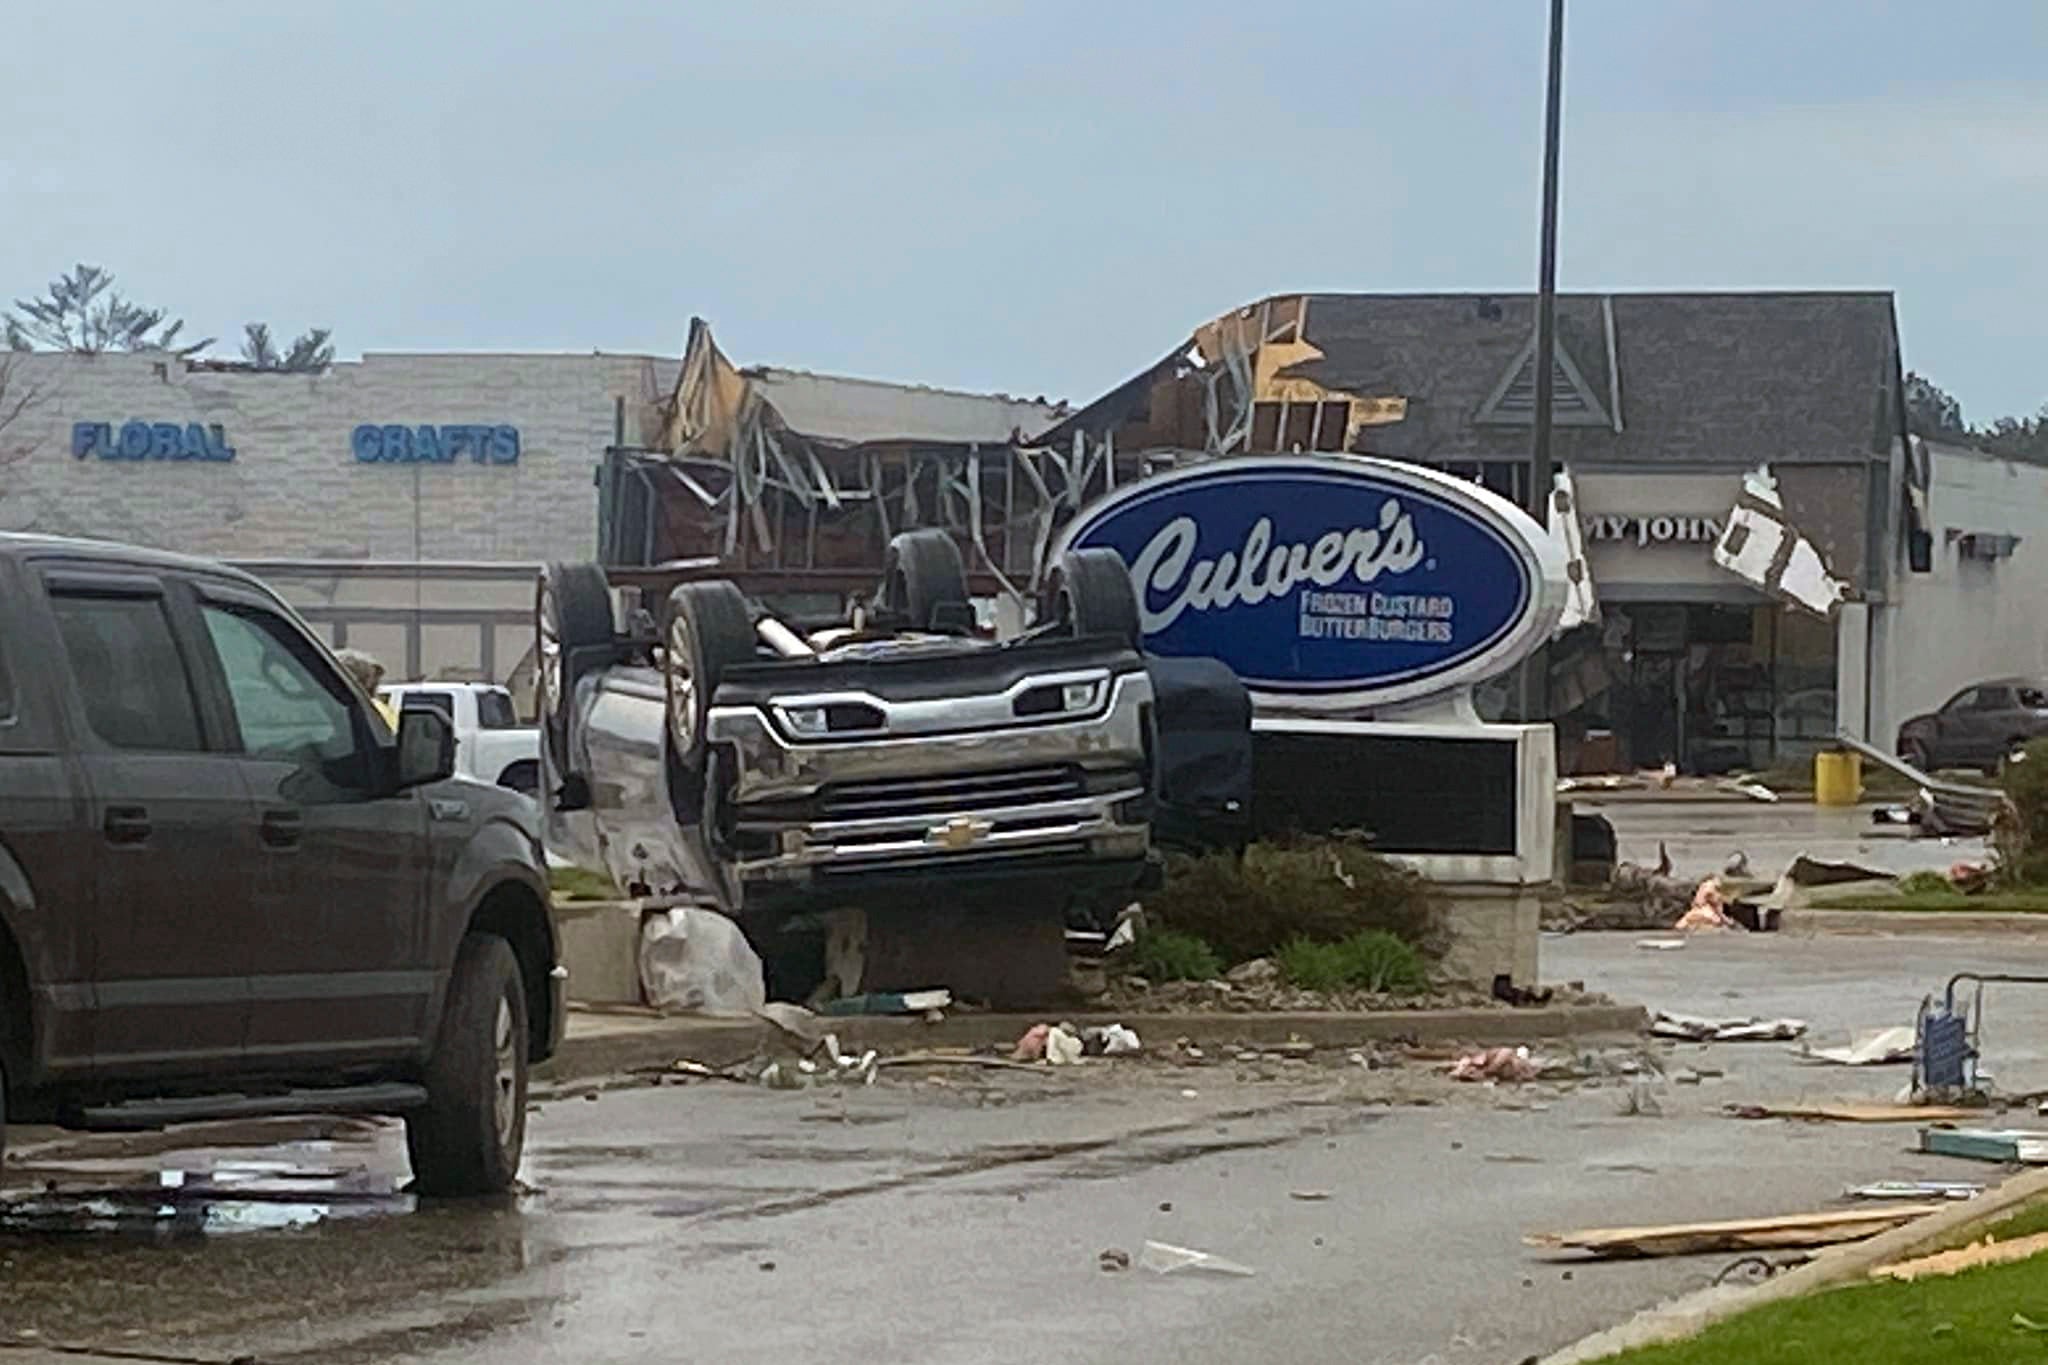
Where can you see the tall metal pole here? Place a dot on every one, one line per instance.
(1545, 359)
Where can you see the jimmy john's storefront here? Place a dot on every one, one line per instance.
(1688, 665)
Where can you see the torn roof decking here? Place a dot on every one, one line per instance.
(790, 473)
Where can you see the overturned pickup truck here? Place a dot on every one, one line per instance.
(896, 759)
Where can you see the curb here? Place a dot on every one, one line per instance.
(1930, 923)
(1684, 1318)
(635, 1041)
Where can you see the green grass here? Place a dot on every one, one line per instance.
(1170, 955)
(1966, 1317)
(577, 884)
(2027, 902)
(2027, 1222)
(1370, 960)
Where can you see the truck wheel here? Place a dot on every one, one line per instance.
(574, 611)
(1914, 751)
(921, 572)
(468, 1138)
(710, 628)
(1092, 594)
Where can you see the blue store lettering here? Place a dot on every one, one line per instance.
(138, 440)
(399, 444)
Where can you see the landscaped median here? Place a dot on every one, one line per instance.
(1840, 1308)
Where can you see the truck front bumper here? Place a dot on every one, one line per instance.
(985, 801)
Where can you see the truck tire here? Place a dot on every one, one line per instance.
(709, 629)
(1092, 594)
(922, 572)
(573, 611)
(469, 1137)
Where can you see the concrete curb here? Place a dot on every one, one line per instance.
(1684, 1318)
(1932, 923)
(604, 1044)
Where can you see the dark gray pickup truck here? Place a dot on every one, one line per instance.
(228, 890)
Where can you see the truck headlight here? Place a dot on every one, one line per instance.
(807, 722)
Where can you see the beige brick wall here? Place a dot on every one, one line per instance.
(295, 488)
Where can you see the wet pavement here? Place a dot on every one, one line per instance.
(957, 1215)
(1701, 836)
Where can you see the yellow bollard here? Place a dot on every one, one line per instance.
(1837, 778)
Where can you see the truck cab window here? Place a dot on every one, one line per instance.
(129, 676)
(494, 711)
(284, 708)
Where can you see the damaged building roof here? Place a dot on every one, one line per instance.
(715, 399)
(1715, 378)
(859, 411)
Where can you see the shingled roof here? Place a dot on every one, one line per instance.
(1707, 378)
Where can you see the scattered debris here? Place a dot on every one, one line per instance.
(1062, 1046)
(1871, 1047)
(892, 1002)
(1113, 1259)
(1165, 1259)
(1856, 1113)
(1709, 909)
(1985, 1252)
(1697, 1029)
(1130, 922)
(1508, 993)
(1918, 1189)
(1814, 881)
(1755, 791)
(1309, 1196)
(1760, 545)
(1110, 1040)
(1496, 1064)
(1031, 1047)
(1661, 945)
(2018, 1145)
(1737, 866)
(1741, 1234)
(696, 961)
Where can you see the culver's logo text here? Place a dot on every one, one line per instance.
(1262, 570)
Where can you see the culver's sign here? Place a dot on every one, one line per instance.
(1332, 581)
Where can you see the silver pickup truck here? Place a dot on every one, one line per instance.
(896, 759)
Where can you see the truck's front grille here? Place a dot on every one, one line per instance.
(887, 798)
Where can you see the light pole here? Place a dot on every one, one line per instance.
(1537, 679)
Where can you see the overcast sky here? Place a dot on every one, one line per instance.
(1036, 197)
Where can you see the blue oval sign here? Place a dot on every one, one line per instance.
(1332, 580)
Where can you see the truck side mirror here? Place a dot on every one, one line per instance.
(574, 793)
(426, 748)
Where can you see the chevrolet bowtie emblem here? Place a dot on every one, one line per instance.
(959, 832)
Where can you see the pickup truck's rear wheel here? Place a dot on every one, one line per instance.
(922, 574)
(710, 628)
(468, 1138)
(1091, 593)
(575, 612)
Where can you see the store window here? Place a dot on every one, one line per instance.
(1804, 662)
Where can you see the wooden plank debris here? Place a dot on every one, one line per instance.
(1851, 1112)
(1964, 1258)
(1741, 1234)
